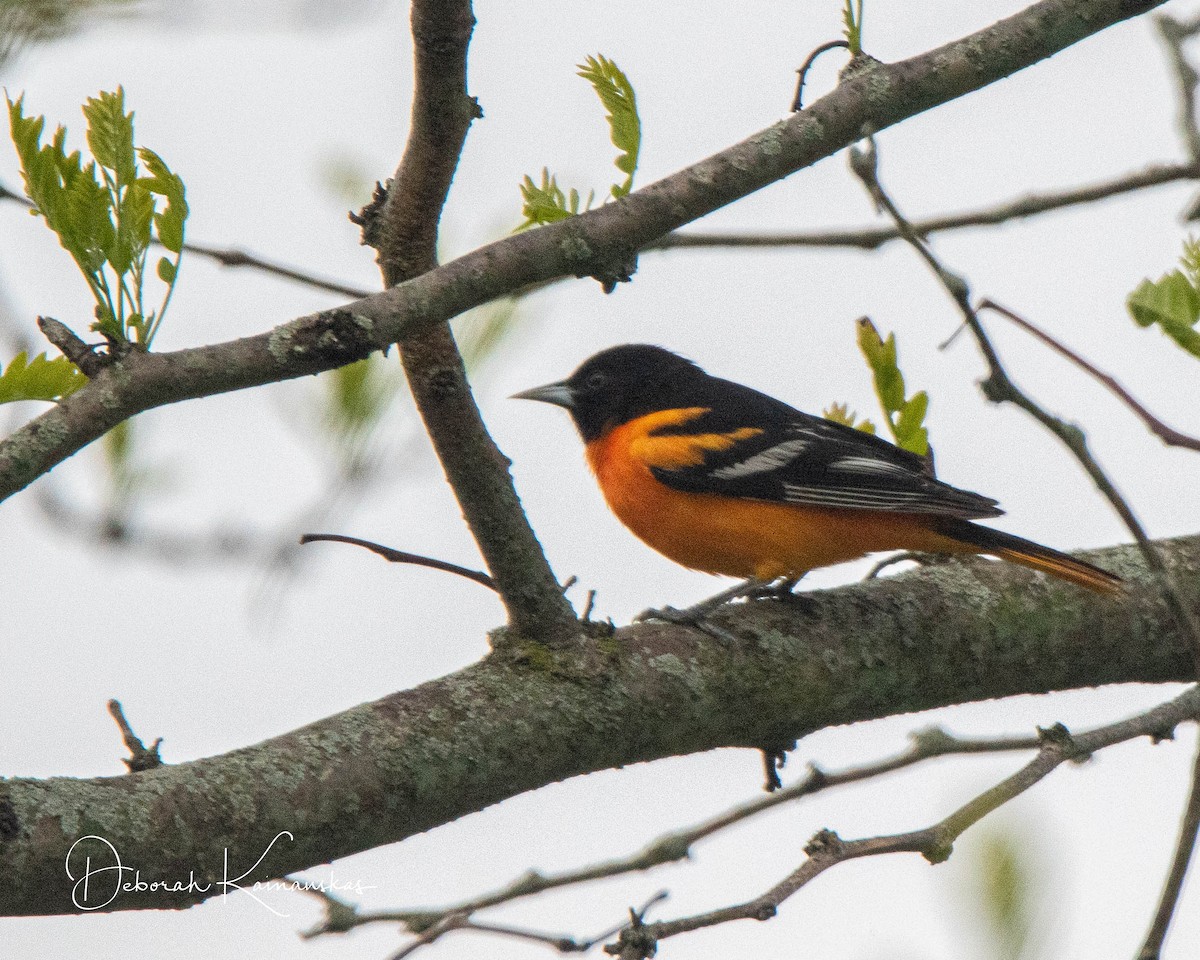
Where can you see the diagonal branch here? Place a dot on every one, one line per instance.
(935, 842)
(230, 257)
(926, 745)
(599, 243)
(1000, 388)
(526, 717)
(403, 226)
(1169, 435)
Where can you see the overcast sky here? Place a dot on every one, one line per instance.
(254, 117)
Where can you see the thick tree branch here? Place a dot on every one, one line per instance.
(599, 243)
(528, 716)
(1000, 388)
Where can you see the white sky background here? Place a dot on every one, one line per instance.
(252, 117)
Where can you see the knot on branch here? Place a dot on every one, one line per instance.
(635, 942)
(938, 851)
(369, 217)
(323, 340)
(825, 843)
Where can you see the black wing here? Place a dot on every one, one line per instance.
(801, 459)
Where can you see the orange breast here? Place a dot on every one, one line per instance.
(731, 536)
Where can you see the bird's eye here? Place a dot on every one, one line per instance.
(596, 380)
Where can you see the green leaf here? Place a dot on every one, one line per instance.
(39, 379)
(166, 270)
(625, 126)
(1171, 302)
(354, 400)
(1191, 260)
(110, 134)
(905, 417)
(910, 432)
(1006, 889)
(482, 331)
(881, 356)
(169, 223)
(135, 213)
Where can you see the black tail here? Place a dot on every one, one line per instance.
(1034, 555)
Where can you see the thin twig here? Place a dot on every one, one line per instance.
(999, 388)
(1184, 848)
(802, 73)
(925, 745)
(562, 944)
(935, 842)
(140, 758)
(400, 556)
(871, 238)
(230, 257)
(1168, 435)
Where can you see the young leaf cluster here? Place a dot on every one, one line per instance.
(39, 379)
(905, 415)
(841, 413)
(548, 202)
(1172, 302)
(107, 212)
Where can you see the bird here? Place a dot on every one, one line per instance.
(724, 479)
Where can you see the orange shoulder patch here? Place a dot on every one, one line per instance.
(677, 450)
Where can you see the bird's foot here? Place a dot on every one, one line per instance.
(697, 615)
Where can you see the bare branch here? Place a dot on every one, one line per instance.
(232, 257)
(523, 718)
(598, 243)
(402, 224)
(999, 388)
(871, 238)
(1168, 435)
(802, 73)
(1184, 849)
(936, 842)
(400, 556)
(1174, 34)
(925, 745)
(140, 758)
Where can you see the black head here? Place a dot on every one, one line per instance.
(620, 384)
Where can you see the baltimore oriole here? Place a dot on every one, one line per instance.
(724, 479)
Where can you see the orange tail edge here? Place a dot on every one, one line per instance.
(1035, 556)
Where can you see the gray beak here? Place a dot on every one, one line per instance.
(559, 394)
